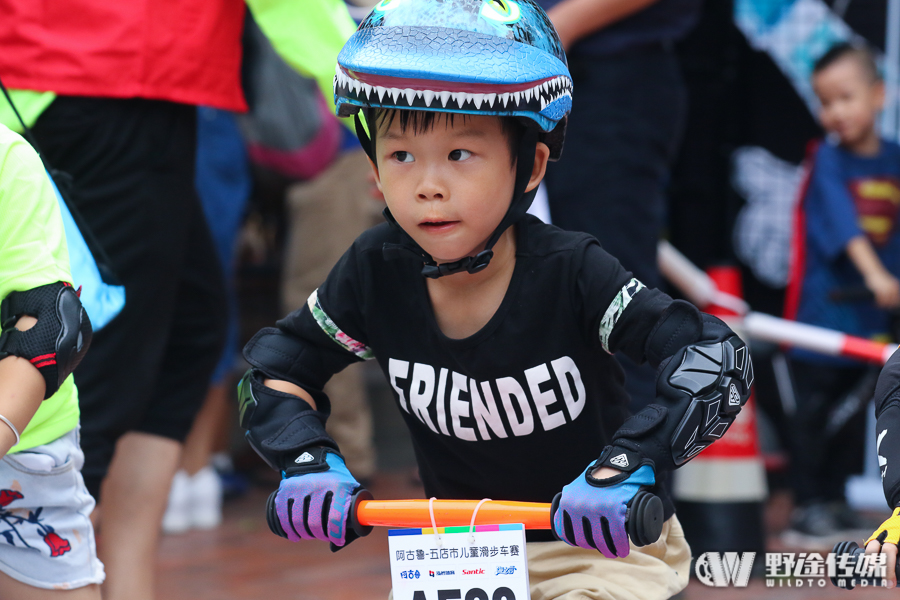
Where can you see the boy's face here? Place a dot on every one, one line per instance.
(448, 186)
(851, 100)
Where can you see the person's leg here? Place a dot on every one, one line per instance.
(10, 589)
(133, 166)
(194, 348)
(819, 452)
(621, 138)
(200, 442)
(126, 159)
(846, 430)
(223, 185)
(134, 498)
(846, 433)
(655, 571)
(195, 497)
(813, 390)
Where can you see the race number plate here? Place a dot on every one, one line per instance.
(493, 567)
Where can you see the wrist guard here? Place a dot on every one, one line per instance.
(701, 389)
(280, 426)
(57, 342)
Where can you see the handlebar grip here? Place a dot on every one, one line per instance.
(643, 521)
(363, 495)
(848, 583)
(272, 517)
(645, 518)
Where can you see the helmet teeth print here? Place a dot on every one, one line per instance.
(480, 57)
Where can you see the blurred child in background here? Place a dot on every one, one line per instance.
(848, 241)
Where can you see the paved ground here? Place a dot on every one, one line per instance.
(242, 560)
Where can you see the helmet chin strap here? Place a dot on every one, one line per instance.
(521, 200)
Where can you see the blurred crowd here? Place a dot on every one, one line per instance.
(222, 189)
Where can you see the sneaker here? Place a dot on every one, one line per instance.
(177, 518)
(206, 499)
(813, 527)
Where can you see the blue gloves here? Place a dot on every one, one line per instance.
(593, 513)
(316, 500)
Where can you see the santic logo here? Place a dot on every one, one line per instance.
(718, 569)
(473, 571)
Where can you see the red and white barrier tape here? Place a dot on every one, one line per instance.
(702, 291)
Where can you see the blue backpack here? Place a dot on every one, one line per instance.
(100, 299)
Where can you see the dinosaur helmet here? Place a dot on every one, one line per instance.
(478, 57)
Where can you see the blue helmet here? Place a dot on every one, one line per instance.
(479, 57)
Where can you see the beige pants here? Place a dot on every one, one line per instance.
(557, 570)
(654, 572)
(326, 215)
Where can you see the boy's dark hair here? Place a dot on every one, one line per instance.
(423, 120)
(858, 52)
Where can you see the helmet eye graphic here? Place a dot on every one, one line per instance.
(386, 5)
(501, 11)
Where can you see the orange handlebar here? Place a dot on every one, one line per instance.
(449, 513)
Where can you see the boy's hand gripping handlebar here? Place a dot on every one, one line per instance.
(854, 551)
(644, 523)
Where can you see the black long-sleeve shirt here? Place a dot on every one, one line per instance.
(515, 411)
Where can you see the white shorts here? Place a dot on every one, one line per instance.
(46, 537)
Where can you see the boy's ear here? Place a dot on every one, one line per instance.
(541, 156)
(377, 175)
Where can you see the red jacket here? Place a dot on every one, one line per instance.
(186, 51)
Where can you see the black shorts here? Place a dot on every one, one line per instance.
(132, 166)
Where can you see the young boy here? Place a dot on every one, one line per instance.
(46, 538)
(494, 330)
(850, 242)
